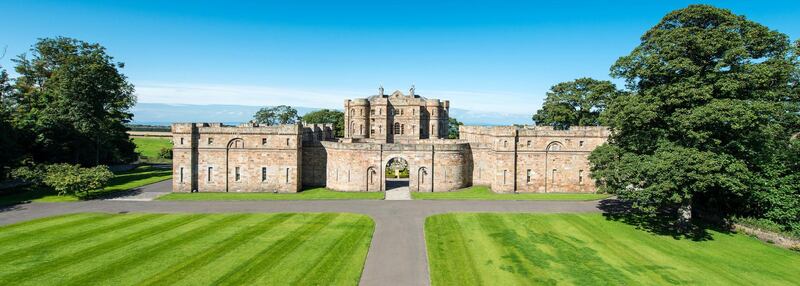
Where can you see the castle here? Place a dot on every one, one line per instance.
(382, 130)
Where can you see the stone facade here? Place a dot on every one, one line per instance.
(211, 157)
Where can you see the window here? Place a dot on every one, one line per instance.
(181, 140)
(413, 112)
(530, 174)
(580, 176)
(209, 173)
(529, 143)
(504, 176)
(505, 143)
(380, 129)
(210, 140)
(361, 129)
(413, 128)
(361, 112)
(287, 141)
(263, 141)
(181, 175)
(580, 143)
(372, 131)
(263, 174)
(402, 129)
(237, 175)
(372, 112)
(348, 176)
(287, 175)
(553, 177)
(352, 111)
(396, 128)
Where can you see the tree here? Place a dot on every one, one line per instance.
(73, 102)
(575, 103)
(453, 125)
(281, 114)
(68, 179)
(706, 125)
(9, 144)
(327, 116)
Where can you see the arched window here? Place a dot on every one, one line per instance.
(554, 146)
(352, 111)
(361, 129)
(397, 128)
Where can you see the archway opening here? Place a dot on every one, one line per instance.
(397, 173)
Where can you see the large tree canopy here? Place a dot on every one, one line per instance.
(575, 103)
(73, 102)
(281, 114)
(707, 123)
(327, 116)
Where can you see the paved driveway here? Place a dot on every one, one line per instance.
(397, 255)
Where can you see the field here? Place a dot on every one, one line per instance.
(310, 194)
(140, 176)
(148, 148)
(581, 249)
(485, 194)
(186, 249)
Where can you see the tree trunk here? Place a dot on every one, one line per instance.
(685, 215)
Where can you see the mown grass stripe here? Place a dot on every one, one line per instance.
(322, 271)
(115, 267)
(249, 270)
(15, 233)
(177, 272)
(75, 238)
(493, 224)
(101, 248)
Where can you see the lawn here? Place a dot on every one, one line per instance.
(483, 193)
(310, 194)
(148, 148)
(587, 249)
(140, 176)
(186, 249)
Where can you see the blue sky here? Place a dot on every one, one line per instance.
(483, 56)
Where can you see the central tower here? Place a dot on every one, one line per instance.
(396, 118)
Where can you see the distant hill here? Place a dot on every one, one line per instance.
(165, 114)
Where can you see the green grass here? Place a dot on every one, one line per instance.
(485, 194)
(186, 249)
(310, 194)
(140, 176)
(148, 148)
(587, 249)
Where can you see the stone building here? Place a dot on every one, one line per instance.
(211, 157)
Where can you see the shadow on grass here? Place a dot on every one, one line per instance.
(664, 223)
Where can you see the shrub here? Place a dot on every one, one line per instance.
(165, 153)
(32, 174)
(68, 179)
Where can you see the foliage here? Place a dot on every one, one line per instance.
(72, 102)
(575, 103)
(9, 145)
(170, 249)
(767, 225)
(453, 124)
(533, 249)
(707, 122)
(281, 114)
(165, 153)
(327, 116)
(73, 180)
(30, 173)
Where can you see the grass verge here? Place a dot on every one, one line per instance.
(148, 148)
(186, 249)
(310, 194)
(140, 176)
(587, 249)
(485, 194)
